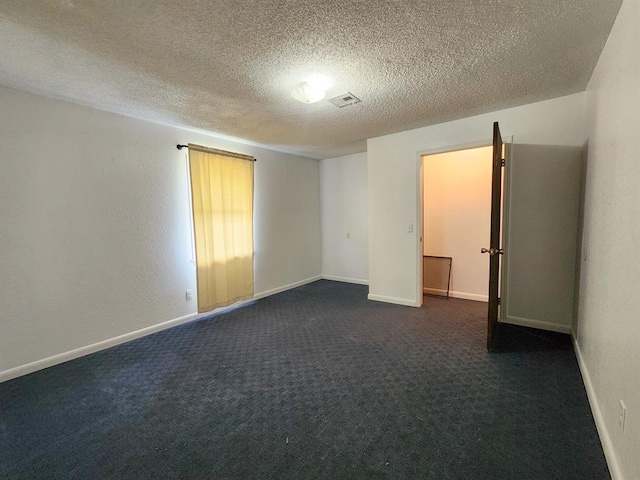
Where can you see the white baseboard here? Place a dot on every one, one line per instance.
(284, 288)
(345, 279)
(95, 347)
(463, 295)
(527, 322)
(603, 432)
(127, 337)
(398, 301)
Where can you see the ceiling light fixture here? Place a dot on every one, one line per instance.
(313, 90)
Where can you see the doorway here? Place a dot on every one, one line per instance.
(456, 223)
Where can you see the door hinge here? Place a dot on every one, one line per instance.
(502, 162)
(499, 300)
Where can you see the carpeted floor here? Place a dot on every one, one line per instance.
(316, 382)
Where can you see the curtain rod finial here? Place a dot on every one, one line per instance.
(180, 147)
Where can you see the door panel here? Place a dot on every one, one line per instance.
(541, 225)
(494, 242)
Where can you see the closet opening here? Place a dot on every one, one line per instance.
(456, 224)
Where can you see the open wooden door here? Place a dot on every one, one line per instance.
(494, 249)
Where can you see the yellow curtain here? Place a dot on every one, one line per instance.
(222, 193)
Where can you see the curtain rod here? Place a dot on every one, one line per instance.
(219, 152)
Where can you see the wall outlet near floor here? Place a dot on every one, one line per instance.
(188, 295)
(622, 414)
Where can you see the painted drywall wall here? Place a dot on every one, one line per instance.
(540, 233)
(95, 225)
(457, 216)
(608, 327)
(394, 189)
(345, 234)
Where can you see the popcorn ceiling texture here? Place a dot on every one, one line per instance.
(229, 66)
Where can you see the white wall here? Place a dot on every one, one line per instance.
(345, 234)
(394, 191)
(540, 236)
(608, 330)
(457, 216)
(95, 230)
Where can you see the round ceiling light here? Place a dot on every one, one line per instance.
(313, 90)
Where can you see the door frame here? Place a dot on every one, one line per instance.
(420, 201)
(503, 276)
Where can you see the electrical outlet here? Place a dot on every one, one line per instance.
(622, 414)
(188, 295)
(410, 228)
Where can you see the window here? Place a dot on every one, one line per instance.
(222, 203)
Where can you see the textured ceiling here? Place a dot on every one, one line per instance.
(229, 66)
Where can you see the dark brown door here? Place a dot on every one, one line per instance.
(494, 250)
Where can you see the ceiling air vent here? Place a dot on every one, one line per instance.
(344, 99)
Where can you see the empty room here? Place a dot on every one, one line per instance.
(215, 219)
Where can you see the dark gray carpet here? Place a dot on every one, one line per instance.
(362, 390)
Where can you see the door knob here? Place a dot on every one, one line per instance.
(492, 251)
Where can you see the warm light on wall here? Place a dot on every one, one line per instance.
(457, 216)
